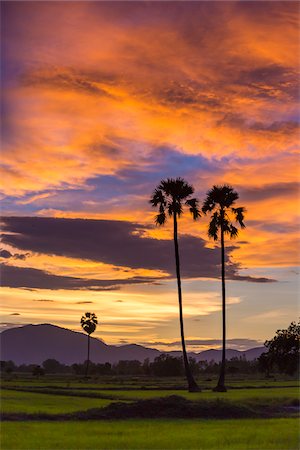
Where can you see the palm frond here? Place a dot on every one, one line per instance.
(239, 215)
(193, 208)
(226, 225)
(228, 195)
(161, 208)
(170, 209)
(213, 227)
(177, 208)
(160, 218)
(209, 204)
(157, 197)
(233, 232)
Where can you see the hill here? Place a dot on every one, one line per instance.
(33, 344)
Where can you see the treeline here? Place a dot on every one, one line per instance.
(163, 366)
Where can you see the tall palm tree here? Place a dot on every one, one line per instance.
(220, 200)
(169, 196)
(89, 323)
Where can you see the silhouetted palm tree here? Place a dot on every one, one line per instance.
(169, 196)
(89, 323)
(220, 201)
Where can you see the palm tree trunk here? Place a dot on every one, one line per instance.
(193, 387)
(88, 357)
(221, 383)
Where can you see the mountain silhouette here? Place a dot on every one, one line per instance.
(33, 344)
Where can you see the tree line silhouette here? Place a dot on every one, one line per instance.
(164, 365)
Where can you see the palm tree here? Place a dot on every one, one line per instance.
(220, 200)
(169, 197)
(89, 323)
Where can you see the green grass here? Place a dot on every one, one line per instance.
(235, 434)
(28, 402)
(233, 394)
(248, 434)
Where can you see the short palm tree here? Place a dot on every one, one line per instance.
(89, 323)
(169, 197)
(220, 201)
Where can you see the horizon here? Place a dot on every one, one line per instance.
(217, 349)
(103, 100)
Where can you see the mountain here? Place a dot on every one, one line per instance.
(254, 353)
(216, 355)
(33, 344)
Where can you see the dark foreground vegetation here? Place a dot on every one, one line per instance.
(162, 366)
(173, 406)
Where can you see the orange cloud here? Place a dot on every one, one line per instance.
(114, 84)
(75, 101)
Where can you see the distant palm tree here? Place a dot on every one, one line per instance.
(89, 323)
(169, 197)
(220, 201)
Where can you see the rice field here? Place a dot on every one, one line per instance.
(64, 396)
(259, 434)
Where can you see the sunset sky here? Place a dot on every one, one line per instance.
(101, 101)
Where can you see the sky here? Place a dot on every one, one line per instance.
(103, 100)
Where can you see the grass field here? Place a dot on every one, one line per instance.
(234, 394)
(58, 395)
(153, 434)
(28, 402)
(136, 394)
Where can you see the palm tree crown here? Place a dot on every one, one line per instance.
(221, 200)
(89, 322)
(169, 196)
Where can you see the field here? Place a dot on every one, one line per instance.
(28, 402)
(155, 434)
(142, 413)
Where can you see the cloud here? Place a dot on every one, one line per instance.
(76, 98)
(15, 314)
(7, 325)
(43, 300)
(286, 127)
(35, 198)
(101, 124)
(6, 255)
(269, 191)
(63, 80)
(113, 242)
(271, 81)
(283, 228)
(20, 277)
(238, 342)
(83, 303)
